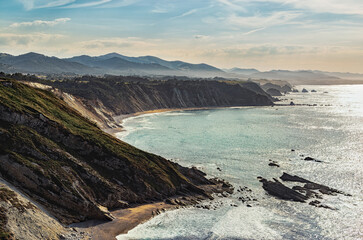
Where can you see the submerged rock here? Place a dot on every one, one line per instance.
(304, 90)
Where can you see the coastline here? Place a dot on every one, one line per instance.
(128, 218)
(125, 220)
(120, 118)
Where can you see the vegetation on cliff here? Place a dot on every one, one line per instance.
(66, 163)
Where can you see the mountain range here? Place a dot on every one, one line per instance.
(117, 64)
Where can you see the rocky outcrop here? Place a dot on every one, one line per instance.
(282, 88)
(273, 92)
(279, 190)
(309, 190)
(76, 171)
(22, 219)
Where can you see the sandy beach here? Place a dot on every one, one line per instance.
(125, 220)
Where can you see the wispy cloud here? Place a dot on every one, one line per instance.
(23, 40)
(254, 30)
(87, 4)
(232, 5)
(40, 23)
(118, 3)
(259, 20)
(320, 6)
(190, 12)
(36, 4)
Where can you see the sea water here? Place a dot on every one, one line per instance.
(236, 144)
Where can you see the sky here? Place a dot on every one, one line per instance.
(264, 34)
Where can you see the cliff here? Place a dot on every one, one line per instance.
(102, 99)
(125, 97)
(76, 171)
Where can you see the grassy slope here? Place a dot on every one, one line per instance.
(22, 98)
(47, 158)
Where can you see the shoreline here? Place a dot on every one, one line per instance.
(128, 218)
(124, 220)
(120, 118)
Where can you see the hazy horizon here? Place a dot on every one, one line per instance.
(322, 35)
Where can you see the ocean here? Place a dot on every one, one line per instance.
(237, 144)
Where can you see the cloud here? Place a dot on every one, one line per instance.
(118, 43)
(16, 40)
(254, 30)
(259, 20)
(232, 5)
(319, 6)
(190, 12)
(87, 4)
(40, 23)
(159, 9)
(35, 4)
(201, 37)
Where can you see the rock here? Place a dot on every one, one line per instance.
(295, 90)
(304, 90)
(292, 103)
(317, 203)
(219, 169)
(273, 164)
(279, 190)
(311, 185)
(312, 159)
(170, 201)
(248, 205)
(292, 150)
(290, 178)
(314, 203)
(313, 90)
(273, 92)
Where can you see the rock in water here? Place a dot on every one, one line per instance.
(279, 190)
(304, 90)
(312, 159)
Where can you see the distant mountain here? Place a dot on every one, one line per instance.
(38, 63)
(117, 64)
(296, 77)
(112, 61)
(346, 75)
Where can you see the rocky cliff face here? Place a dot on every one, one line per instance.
(22, 219)
(66, 163)
(103, 99)
(125, 97)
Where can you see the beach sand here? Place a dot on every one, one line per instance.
(125, 220)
